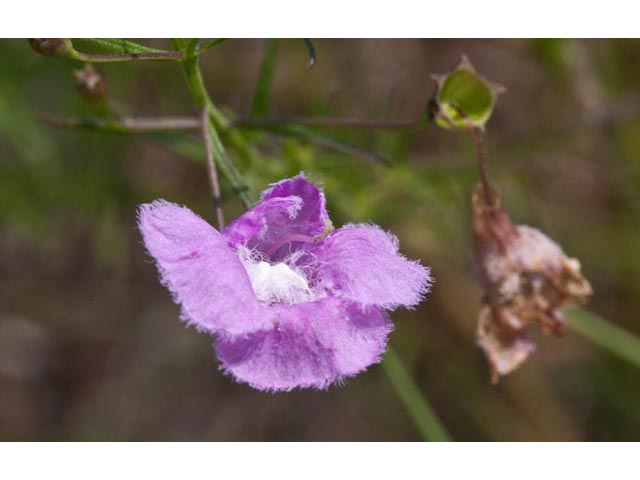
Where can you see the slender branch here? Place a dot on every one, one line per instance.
(329, 122)
(211, 167)
(419, 409)
(123, 125)
(125, 57)
(480, 157)
(195, 82)
(482, 164)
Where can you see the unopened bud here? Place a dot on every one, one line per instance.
(91, 84)
(52, 47)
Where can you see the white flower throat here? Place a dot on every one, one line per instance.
(276, 283)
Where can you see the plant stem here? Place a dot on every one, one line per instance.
(482, 164)
(191, 69)
(414, 401)
(329, 122)
(211, 168)
(480, 158)
(605, 334)
(124, 125)
(125, 57)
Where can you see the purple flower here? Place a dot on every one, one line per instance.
(291, 301)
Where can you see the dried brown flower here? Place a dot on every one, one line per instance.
(527, 280)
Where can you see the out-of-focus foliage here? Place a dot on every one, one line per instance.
(101, 355)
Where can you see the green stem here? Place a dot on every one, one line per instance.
(414, 401)
(191, 69)
(606, 335)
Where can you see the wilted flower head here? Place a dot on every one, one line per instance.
(527, 279)
(291, 301)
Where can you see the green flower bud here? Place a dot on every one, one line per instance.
(52, 47)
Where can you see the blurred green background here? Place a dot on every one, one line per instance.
(90, 344)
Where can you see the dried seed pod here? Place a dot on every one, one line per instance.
(463, 98)
(527, 280)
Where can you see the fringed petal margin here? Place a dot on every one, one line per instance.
(312, 345)
(202, 272)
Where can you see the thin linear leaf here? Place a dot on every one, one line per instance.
(206, 45)
(321, 140)
(418, 407)
(311, 50)
(112, 45)
(606, 334)
(262, 94)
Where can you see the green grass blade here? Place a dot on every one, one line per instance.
(605, 334)
(262, 94)
(423, 415)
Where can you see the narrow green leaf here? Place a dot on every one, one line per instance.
(111, 45)
(305, 134)
(605, 334)
(210, 43)
(421, 412)
(192, 148)
(262, 94)
(311, 49)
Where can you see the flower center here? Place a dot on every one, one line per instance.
(276, 283)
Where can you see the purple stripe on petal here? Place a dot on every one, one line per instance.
(362, 263)
(203, 273)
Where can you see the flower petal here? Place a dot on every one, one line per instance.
(505, 350)
(362, 263)
(263, 223)
(312, 344)
(290, 214)
(203, 273)
(313, 217)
